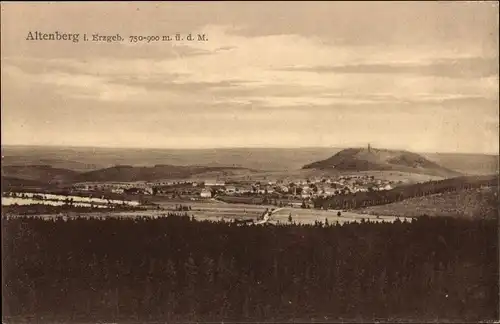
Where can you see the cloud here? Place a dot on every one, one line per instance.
(268, 71)
(302, 89)
(473, 67)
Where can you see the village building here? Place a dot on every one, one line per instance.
(206, 193)
(230, 190)
(328, 191)
(283, 189)
(244, 189)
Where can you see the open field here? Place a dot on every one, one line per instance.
(471, 203)
(309, 216)
(219, 211)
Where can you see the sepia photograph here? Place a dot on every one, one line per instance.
(250, 162)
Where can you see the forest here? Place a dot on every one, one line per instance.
(373, 198)
(178, 269)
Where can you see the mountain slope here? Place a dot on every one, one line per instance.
(364, 159)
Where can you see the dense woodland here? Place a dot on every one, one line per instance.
(178, 269)
(373, 198)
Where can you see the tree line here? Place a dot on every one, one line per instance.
(177, 269)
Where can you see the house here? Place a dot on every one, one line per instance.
(205, 193)
(84, 187)
(328, 191)
(244, 189)
(230, 189)
(133, 191)
(283, 189)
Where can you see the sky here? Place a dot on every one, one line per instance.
(421, 76)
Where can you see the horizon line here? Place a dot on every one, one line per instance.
(236, 147)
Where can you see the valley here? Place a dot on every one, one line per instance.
(308, 192)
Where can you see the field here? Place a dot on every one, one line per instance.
(310, 216)
(471, 203)
(220, 211)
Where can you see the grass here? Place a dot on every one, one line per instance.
(471, 203)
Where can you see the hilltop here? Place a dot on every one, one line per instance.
(368, 159)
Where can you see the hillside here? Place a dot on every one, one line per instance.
(126, 173)
(39, 173)
(469, 203)
(9, 184)
(364, 159)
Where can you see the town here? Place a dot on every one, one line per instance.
(297, 189)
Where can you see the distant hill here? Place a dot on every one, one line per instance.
(87, 159)
(266, 159)
(39, 173)
(31, 175)
(127, 173)
(9, 183)
(365, 159)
